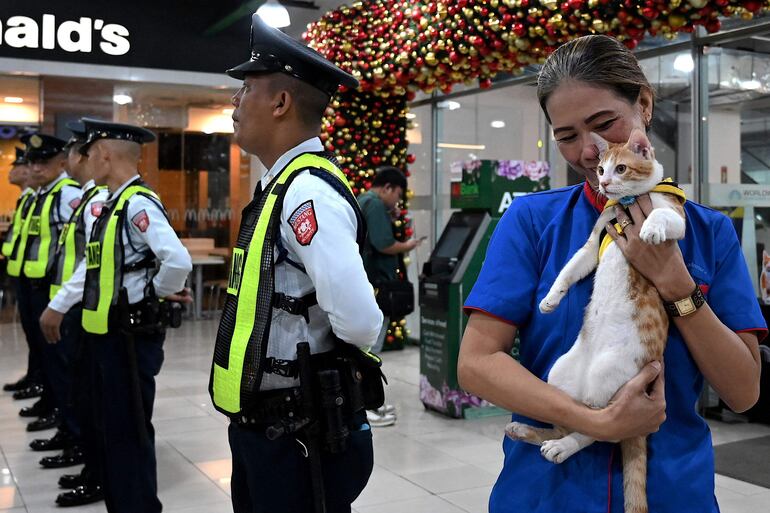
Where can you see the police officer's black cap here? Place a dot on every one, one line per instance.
(79, 134)
(21, 160)
(97, 129)
(41, 147)
(272, 51)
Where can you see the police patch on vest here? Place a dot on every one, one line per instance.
(34, 225)
(96, 208)
(141, 221)
(93, 255)
(304, 223)
(75, 203)
(236, 271)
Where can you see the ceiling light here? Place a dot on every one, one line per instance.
(274, 14)
(229, 112)
(122, 99)
(448, 104)
(13, 99)
(454, 146)
(497, 124)
(684, 63)
(411, 115)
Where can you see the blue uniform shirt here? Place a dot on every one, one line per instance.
(532, 243)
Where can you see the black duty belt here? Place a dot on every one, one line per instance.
(270, 407)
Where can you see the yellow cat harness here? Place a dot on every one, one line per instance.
(667, 186)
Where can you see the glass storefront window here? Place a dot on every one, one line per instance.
(738, 180)
(501, 124)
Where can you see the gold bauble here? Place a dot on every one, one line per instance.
(407, 260)
(698, 4)
(430, 59)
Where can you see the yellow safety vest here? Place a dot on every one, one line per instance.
(70, 248)
(104, 261)
(38, 246)
(667, 185)
(16, 223)
(241, 345)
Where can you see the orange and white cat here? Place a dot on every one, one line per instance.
(625, 325)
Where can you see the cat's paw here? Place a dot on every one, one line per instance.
(557, 451)
(551, 301)
(521, 433)
(653, 232)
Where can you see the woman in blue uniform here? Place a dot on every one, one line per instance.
(594, 84)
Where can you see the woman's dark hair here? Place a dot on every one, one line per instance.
(598, 60)
(389, 175)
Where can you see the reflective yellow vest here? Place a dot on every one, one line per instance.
(12, 237)
(70, 248)
(40, 243)
(104, 261)
(241, 345)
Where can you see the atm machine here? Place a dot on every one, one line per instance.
(482, 190)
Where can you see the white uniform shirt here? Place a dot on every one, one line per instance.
(69, 199)
(333, 266)
(146, 230)
(71, 292)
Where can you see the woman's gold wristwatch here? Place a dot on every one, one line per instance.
(686, 306)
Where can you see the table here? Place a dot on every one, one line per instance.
(198, 261)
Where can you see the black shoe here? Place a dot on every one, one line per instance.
(21, 384)
(79, 496)
(38, 409)
(61, 440)
(70, 481)
(68, 458)
(47, 422)
(29, 392)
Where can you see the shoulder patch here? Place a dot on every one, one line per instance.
(304, 223)
(75, 203)
(141, 221)
(96, 208)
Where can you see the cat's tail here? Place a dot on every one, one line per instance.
(635, 474)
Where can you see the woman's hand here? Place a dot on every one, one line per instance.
(663, 263)
(638, 408)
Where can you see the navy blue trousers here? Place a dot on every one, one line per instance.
(29, 325)
(33, 299)
(67, 353)
(83, 396)
(127, 457)
(273, 476)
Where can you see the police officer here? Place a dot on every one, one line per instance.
(19, 176)
(61, 324)
(57, 197)
(135, 266)
(296, 276)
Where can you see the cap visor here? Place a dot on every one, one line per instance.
(239, 72)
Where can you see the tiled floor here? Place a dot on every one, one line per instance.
(424, 464)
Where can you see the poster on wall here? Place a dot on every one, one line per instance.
(493, 184)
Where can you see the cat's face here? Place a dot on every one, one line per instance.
(627, 169)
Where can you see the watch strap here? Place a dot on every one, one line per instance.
(687, 305)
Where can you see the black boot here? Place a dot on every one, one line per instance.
(71, 481)
(61, 440)
(38, 409)
(21, 384)
(29, 392)
(47, 422)
(79, 496)
(68, 458)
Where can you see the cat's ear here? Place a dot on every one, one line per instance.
(639, 143)
(601, 144)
